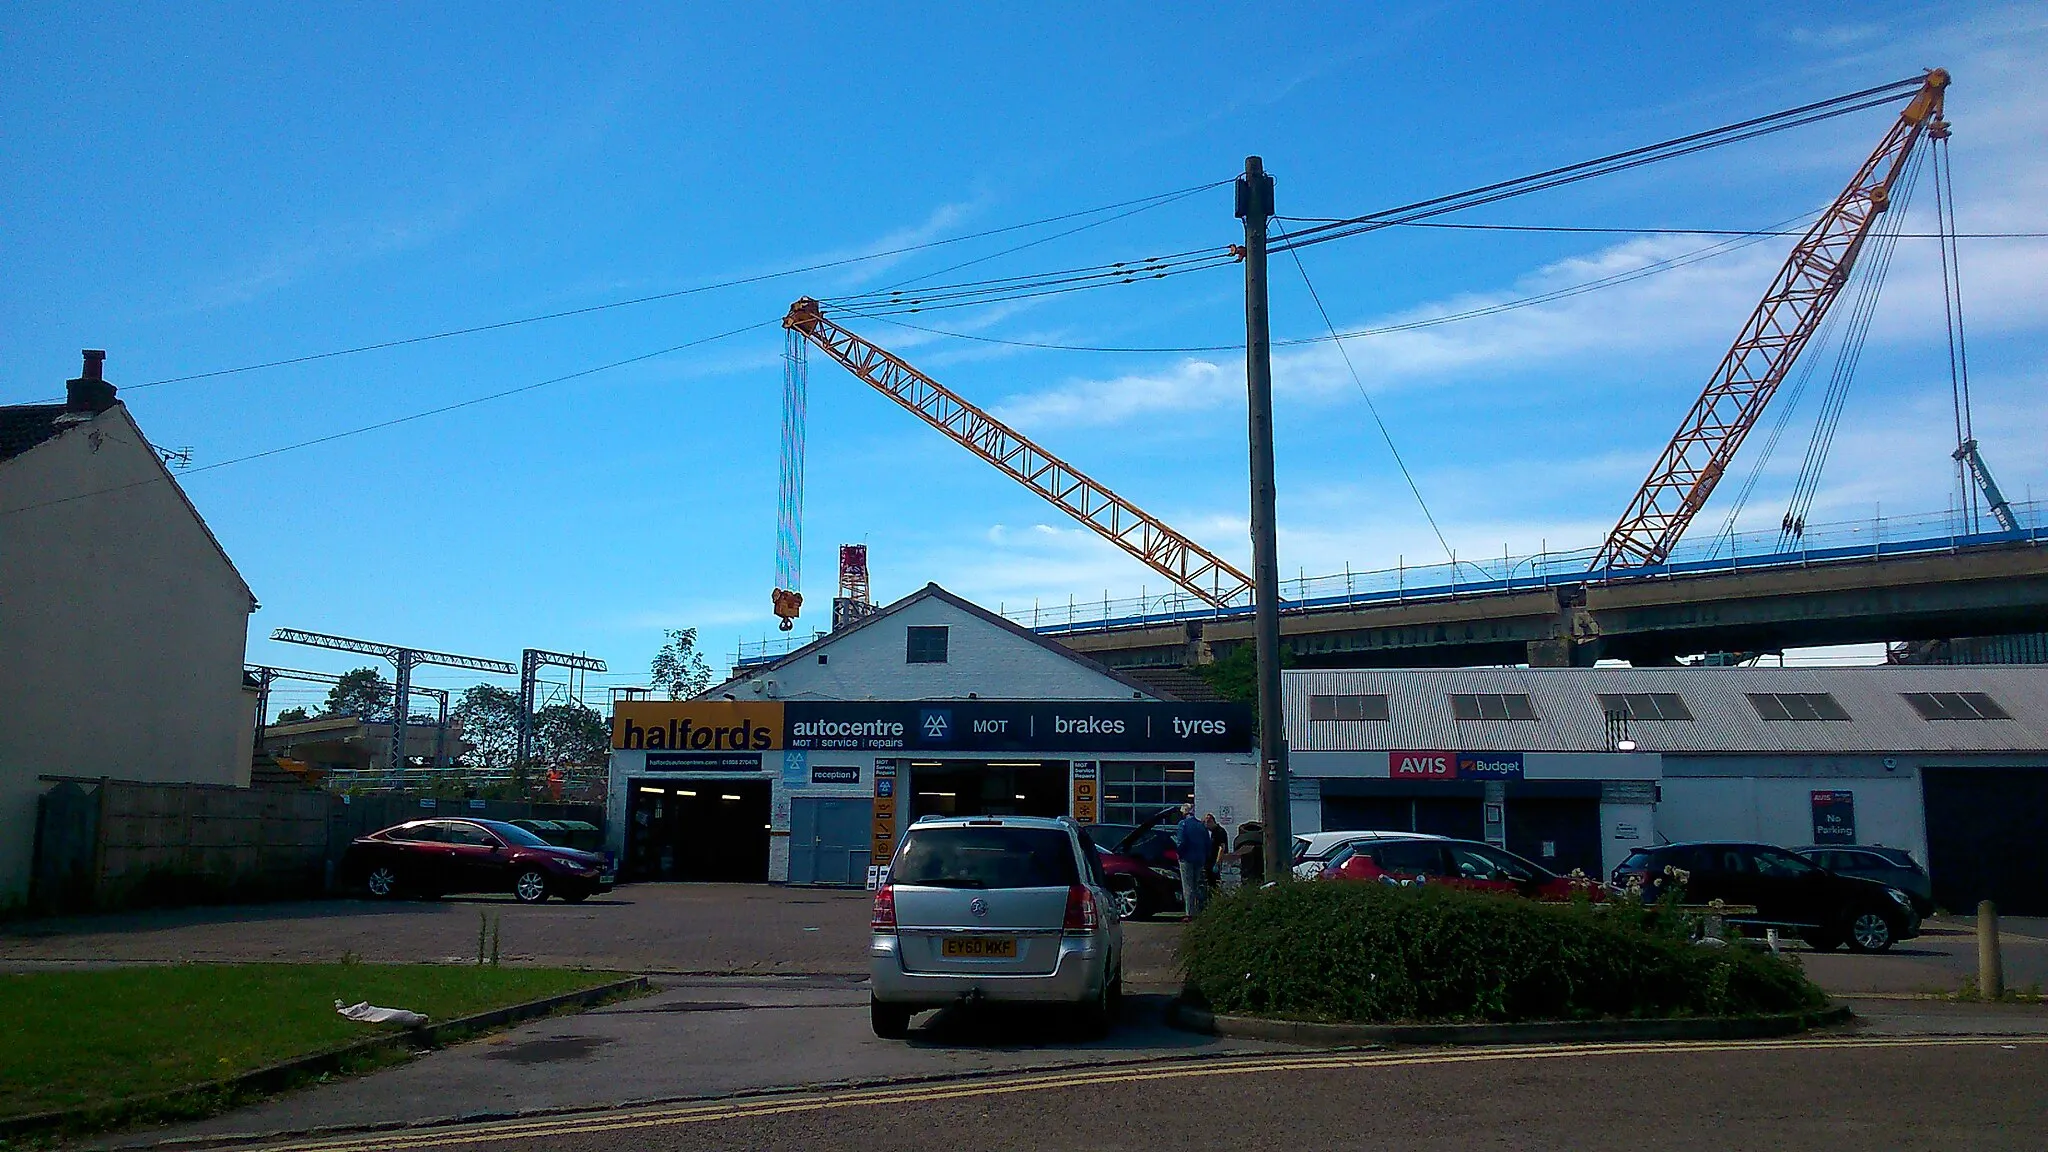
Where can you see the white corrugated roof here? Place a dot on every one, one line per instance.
(1570, 717)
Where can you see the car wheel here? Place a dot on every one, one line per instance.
(382, 882)
(1097, 1016)
(1870, 932)
(890, 1021)
(1129, 903)
(1821, 941)
(531, 886)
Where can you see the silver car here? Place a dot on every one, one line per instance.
(1002, 909)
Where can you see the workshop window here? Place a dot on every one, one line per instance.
(1644, 705)
(1955, 706)
(1491, 706)
(1347, 707)
(1797, 706)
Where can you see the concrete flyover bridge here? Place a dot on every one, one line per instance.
(1899, 580)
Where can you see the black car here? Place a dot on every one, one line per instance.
(433, 857)
(1786, 889)
(1892, 867)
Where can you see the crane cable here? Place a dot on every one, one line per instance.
(1952, 311)
(789, 496)
(1786, 409)
(1871, 270)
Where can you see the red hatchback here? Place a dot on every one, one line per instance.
(1464, 864)
(431, 857)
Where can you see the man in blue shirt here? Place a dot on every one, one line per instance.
(1191, 844)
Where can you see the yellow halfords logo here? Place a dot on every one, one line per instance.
(693, 726)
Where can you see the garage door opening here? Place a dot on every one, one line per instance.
(707, 830)
(988, 788)
(1457, 816)
(1984, 838)
(1560, 834)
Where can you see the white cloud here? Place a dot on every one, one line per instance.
(1191, 384)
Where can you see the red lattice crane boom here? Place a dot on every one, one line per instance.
(1200, 572)
(1786, 318)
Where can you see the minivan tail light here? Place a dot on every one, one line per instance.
(884, 919)
(1080, 912)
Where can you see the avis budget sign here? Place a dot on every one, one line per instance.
(1422, 765)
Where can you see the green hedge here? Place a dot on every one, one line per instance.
(1380, 954)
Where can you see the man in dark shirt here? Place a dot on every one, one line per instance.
(1219, 843)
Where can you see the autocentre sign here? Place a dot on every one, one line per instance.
(932, 726)
(1438, 764)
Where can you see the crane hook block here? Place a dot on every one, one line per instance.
(787, 605)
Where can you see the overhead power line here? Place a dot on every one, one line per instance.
(1622, 231)
(1134, 206)
(1735, 243)
(1364, 393)
(1606, 165)
(397, 420)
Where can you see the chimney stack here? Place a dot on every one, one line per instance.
(90, 392)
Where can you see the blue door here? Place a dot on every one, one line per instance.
(828, 839)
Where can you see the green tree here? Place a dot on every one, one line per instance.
(489, 718)
(679, 669)
(1235, 675)
(292, 716)
(570, 734)
(363, 693)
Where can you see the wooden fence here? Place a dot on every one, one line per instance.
(119, 843)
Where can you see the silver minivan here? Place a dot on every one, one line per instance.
(1001, 909)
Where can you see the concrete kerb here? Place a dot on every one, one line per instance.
(277, 1077)
(850, 1084)
(1185, 1016)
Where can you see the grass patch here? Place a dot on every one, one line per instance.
(1372, 953)
(95, 1039)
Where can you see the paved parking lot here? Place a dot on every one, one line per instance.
(686, 929)
(737, 929)
(761, 987)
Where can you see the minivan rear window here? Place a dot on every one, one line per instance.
(985, 857)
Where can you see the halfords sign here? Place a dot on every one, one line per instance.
(680, 726)
(958, 726)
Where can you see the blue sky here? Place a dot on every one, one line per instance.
(200, 189)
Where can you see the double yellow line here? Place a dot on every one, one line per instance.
(586, 1124)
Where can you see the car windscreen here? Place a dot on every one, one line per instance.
(1638, 861)
(514, 834)
(985, 857)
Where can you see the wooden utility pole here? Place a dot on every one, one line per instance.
(1254, 206)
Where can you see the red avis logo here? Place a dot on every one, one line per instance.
(1422, 766)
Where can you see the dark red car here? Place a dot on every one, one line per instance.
(432, 857)
(1142, 865)
(1464, 864)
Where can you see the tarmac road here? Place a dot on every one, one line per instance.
(1827, 1093)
